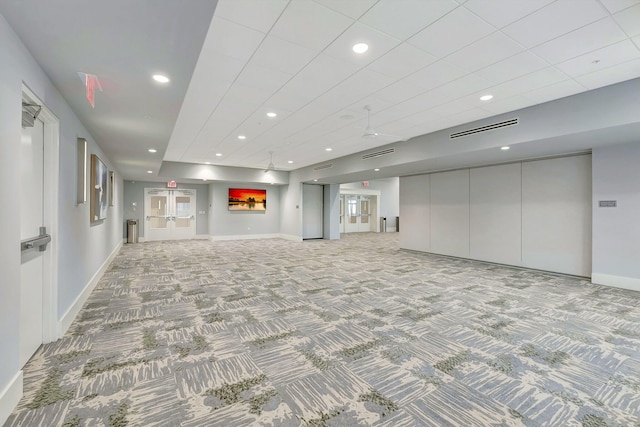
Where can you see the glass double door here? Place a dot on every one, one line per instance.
(169, 214)
(357, 213)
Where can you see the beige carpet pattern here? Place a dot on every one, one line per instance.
(354, 332)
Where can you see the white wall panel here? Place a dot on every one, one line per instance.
(414, 212)
(450, 213)
(496, 213)
(556, 215)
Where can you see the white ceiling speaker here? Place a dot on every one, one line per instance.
(370, 132)
(271, 166)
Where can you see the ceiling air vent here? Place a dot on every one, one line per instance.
(378, 153)
(325, 166)
(486, 128)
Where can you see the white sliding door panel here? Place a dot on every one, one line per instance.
(556, 215)
(450, 213)
(415, 213)
(496, 213)
(312, 211)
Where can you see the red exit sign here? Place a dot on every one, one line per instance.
(172, 184)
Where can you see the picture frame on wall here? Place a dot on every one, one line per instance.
(112, 187)
(81, 189)
(247, 199)
(99, 189)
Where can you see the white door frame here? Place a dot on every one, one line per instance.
(375, 214)
(50, 323)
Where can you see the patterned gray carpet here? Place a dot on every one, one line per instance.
(336, 333)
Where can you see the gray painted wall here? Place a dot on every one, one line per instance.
(616, 231)
(82, 248)
(223, 222)
(134, 193)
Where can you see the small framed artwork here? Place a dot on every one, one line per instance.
(81, 189)
(246, 199)
(99, 188)
(112, 187)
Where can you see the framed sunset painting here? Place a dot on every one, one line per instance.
(246, 199)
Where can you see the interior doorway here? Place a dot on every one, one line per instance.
(359, 211)
(38, 189)
(169, 214)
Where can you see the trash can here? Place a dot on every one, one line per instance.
(383, 224)
(132, 231)
(397, 223)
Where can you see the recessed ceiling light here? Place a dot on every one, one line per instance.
(328, 149)
(218, 154)
(242, 137)
(153, 150)
(505, 148)
(486, 97)
(315, 180)
(160, 78)
(290, 161)
(360, 47)
(271, 114)
(207, 163)
(204, 179)
(149, 171)
(377, 170)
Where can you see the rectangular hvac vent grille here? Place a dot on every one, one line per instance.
(378, 153)
(321, 167)
(487, 128)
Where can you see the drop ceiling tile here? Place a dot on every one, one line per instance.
(450, 33)
(402, 19)
(555, 91)
(233, 39)
(463, 86)
(379, 44)
(554, 20)
(355, 89)
(629, 20)
(489, 50)
(319, 76)
(399, 92)
(507, 104)
(501, 13)
(617, 5)
(434, 75)
(607, 57)
(258, 15)
(467, 116)
(535, 80)
(282, 55)
(286, 101)
(245, 97)
(310, 24)
(511, 68)
(616, 74)
(263, 78)
(402, 61)
(353, 8)
(586, 39)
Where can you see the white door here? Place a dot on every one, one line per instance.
(359, 213)
(169, 214)
(31, 219)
